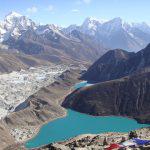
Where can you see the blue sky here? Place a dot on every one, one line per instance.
(66, 12)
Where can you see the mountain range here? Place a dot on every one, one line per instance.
(122, 78)
(73, 44)
(47, 42)
(115, 33)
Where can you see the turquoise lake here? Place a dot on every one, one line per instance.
(76, 123)
(81, 84)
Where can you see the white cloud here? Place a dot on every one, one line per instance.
(50, 8)
(33, 9)
(75, 10)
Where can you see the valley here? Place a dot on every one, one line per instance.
(73, 86)
(51, 86)
(16, 87)
(40, 107)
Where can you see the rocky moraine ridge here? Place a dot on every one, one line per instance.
(98, 141)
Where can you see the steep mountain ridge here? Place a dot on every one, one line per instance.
(127, 96)
(116, 64)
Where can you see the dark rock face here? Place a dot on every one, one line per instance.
(116, 64)
(127, 96)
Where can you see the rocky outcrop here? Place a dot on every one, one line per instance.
(127, 96)
(97, 142)
(116, 64)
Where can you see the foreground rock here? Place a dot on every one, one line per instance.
(96, 142)
(127, 96)
(43, 106)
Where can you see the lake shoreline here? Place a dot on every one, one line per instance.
(96, 141)
(123, 130)
(64, 115)
(40, 126)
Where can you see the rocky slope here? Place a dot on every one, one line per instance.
(43, 106)
(55, 47)
(96, 142)
(5, 138)
(118, 63)
(128, 96)
(11, 60)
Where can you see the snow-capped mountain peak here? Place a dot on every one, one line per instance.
(13, 25)
(12, 15)
(90, 25)
(142, 26)
(14, 19)
(116, 33)
(113, 25)
(69, 29)
(44, 29)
